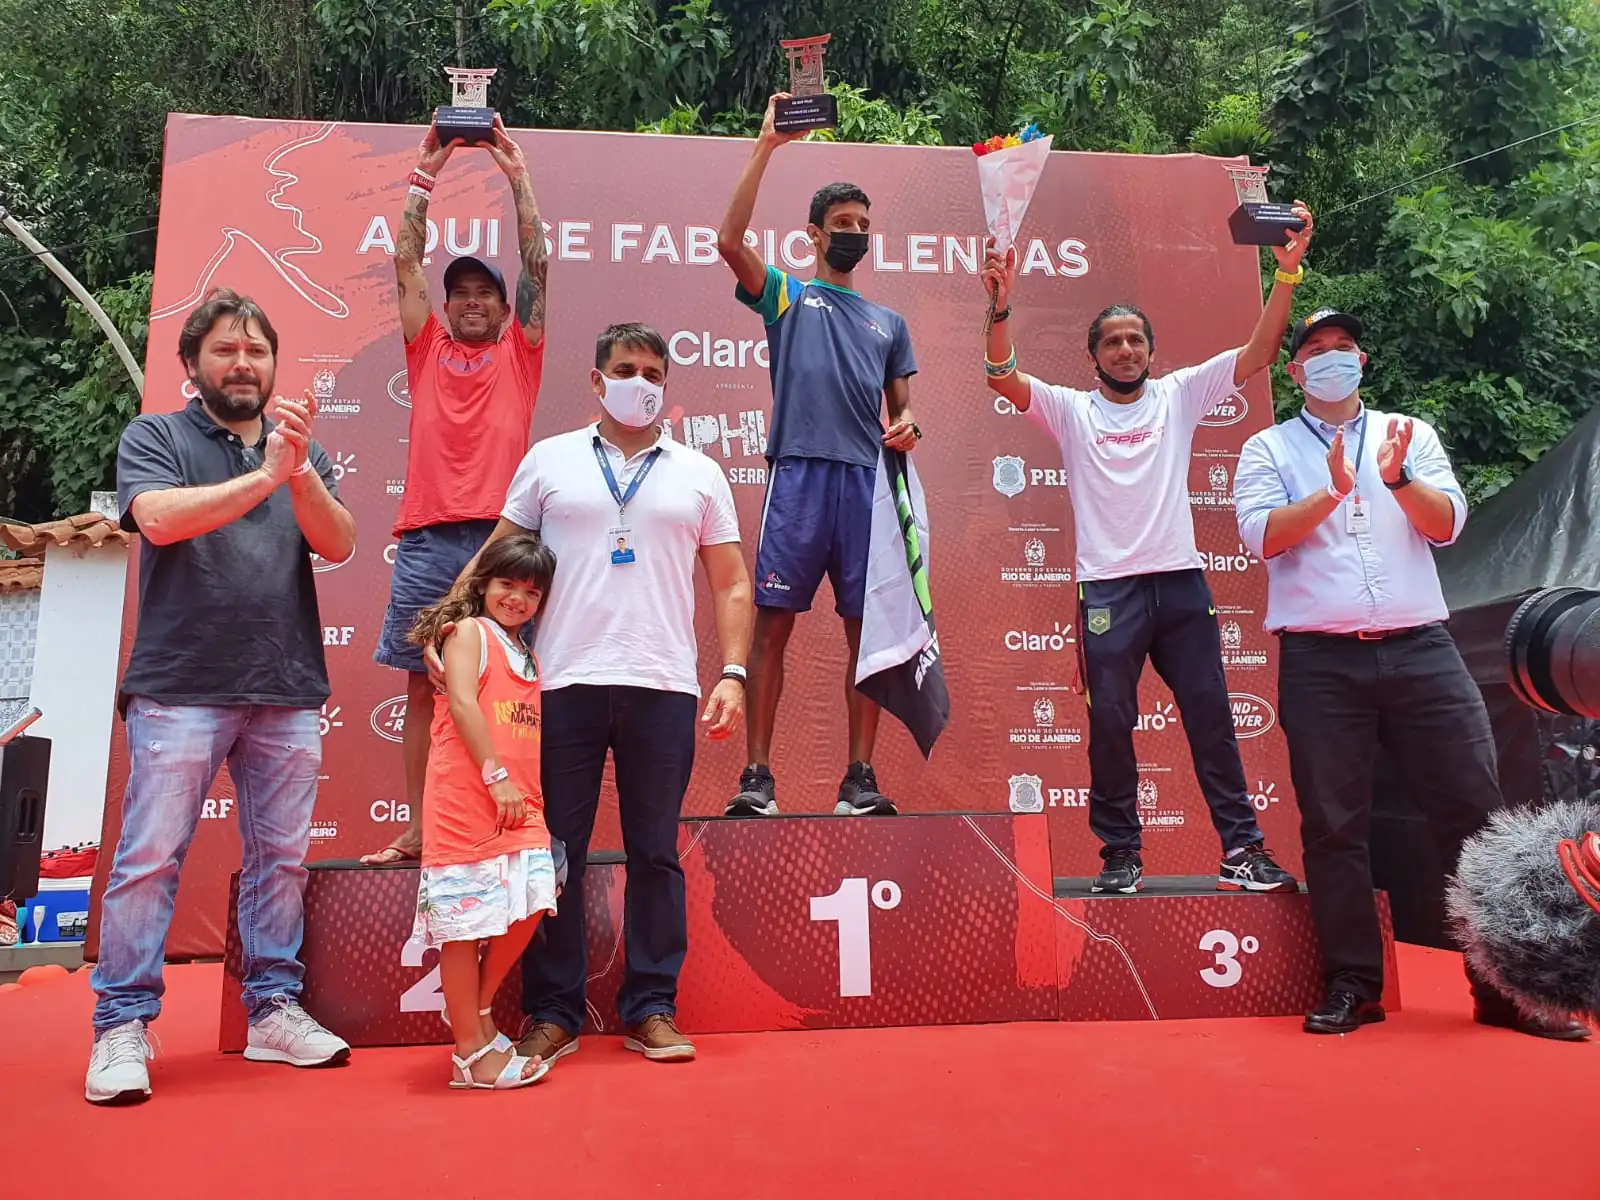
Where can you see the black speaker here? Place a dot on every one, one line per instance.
(24, 773)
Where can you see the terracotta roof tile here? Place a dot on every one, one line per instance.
(20, 574)
(85, 529)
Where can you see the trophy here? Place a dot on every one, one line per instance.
(809, 106)
(468, 116)
(1257, 221)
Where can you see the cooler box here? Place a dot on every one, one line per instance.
(59, 913)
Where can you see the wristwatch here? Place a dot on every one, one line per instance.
(916, 431)
(1405, 478)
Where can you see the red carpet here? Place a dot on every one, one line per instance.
(1425, 1105)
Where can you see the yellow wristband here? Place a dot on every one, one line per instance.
(1294, 280)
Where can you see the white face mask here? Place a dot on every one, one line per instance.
(1333, 375)
(634, 402)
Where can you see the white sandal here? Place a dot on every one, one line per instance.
(501, 1041)
(509, 1079)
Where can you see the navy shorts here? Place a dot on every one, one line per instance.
(817, 521)
(426, 565)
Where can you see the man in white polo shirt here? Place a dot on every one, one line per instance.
(1344, 504)
(1141, 591)
(628, 512)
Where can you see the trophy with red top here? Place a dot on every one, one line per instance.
(468, 117)
(808, 105)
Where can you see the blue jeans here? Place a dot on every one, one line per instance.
(273, 756)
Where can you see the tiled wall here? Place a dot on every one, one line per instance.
(19, 623)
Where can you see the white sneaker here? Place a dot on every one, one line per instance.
(117, 1074)
(289, 1034)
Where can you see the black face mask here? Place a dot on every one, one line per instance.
(845, 250)
(1120, 386)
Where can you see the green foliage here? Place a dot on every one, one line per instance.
(1480, 285)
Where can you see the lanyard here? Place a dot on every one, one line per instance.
(1361, 444)
(617, 493)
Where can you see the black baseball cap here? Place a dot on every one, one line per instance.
(457, 266)
(1323, 318)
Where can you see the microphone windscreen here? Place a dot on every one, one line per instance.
(1518, 918)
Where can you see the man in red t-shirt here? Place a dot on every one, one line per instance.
(473, 389)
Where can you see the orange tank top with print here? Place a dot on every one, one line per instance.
(458, 816)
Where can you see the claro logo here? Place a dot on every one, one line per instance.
(1252, 716)
(1229, 412)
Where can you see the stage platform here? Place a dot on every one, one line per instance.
(1425, 1106)
(821, 922)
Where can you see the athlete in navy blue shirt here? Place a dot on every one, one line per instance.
(837, 358)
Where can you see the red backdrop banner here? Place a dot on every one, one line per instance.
(302, 217)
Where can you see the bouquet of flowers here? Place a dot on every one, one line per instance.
(1009, 169)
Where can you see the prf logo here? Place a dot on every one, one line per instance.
(400, 389)
(1027, 794)
(389, 719)
(328, 719)
(1010, 475)
(1229, 412)
(1252, 716)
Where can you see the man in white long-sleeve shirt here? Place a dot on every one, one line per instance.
(1344, 504)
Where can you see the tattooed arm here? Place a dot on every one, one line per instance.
(411, 244)
(530, 235)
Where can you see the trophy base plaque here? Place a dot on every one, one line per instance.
(474, 126)
(799, 114)
(1255, 223)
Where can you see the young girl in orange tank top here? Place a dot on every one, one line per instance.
(489, 867)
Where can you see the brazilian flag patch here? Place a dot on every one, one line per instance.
(1099, 620)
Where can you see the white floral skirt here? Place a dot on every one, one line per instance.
(469, 902)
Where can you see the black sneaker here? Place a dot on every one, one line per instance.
(859, 795)
(1123, 872)
(1252, 870)
(757, 795)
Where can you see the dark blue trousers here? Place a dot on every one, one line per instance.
(1168, 618)
(650, 735)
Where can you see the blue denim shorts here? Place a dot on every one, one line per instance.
(426, 565)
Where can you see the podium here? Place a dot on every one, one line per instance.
(818, 922)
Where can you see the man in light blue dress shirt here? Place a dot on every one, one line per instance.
(1344, 505)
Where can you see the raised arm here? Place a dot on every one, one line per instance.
(530, 234)
(745, 261)
(411, 244)
(1000, 270)
(1261, 351)
(1268, 523)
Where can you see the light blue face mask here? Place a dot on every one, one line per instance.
(1333, 375)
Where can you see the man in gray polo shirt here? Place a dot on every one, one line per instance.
(227, 664)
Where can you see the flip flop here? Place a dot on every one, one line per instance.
(391, 854)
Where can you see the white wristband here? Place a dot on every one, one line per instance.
(301, 469)
(1340, 498)
(735, 671)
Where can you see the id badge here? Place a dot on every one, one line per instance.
(619, 540)
(1357, 517)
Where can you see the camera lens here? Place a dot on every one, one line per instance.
(1553, 651)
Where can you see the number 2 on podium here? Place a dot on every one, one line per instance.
(848, 906)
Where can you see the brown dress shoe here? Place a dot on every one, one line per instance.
(658, 1039)
(548, 1041)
